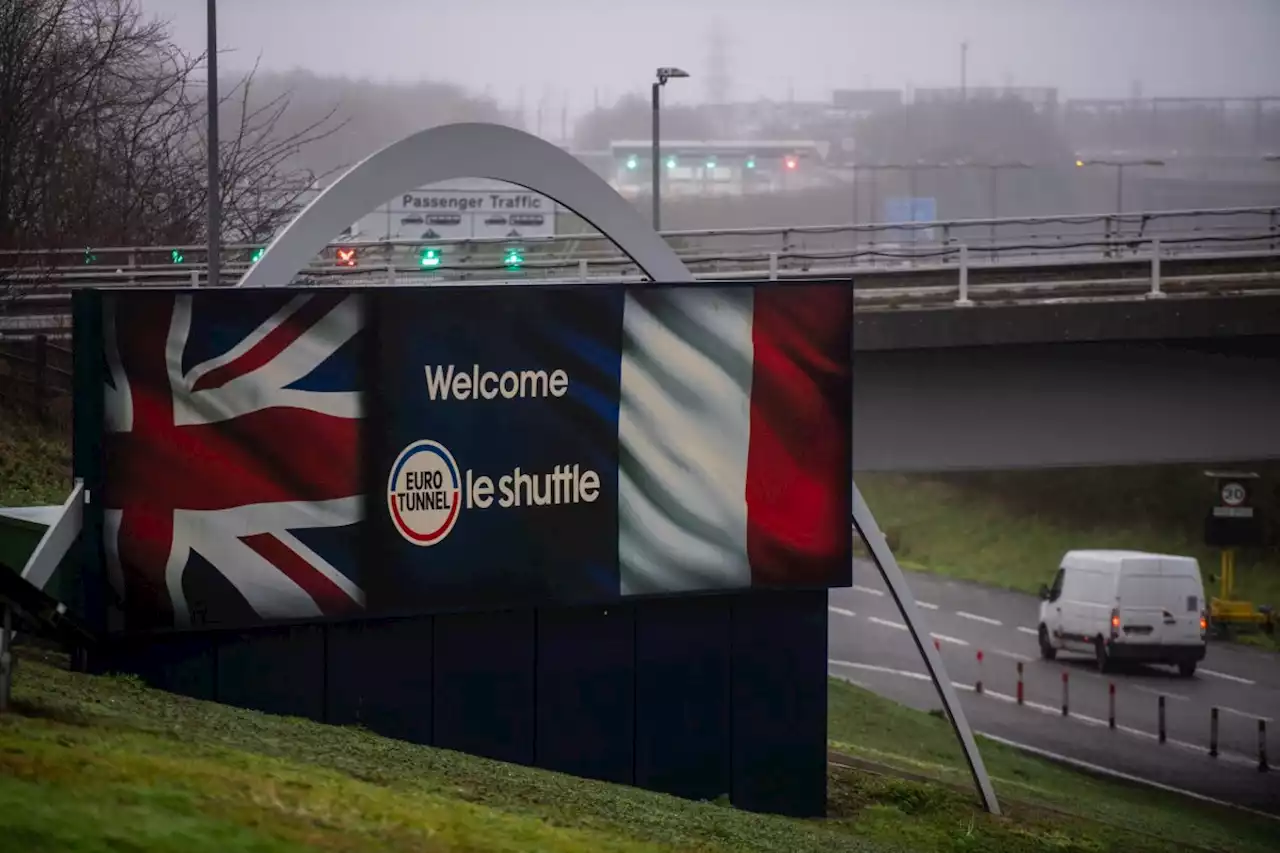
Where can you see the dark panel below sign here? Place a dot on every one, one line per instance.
(682, 673)
(483, 677)
(586, 691)
(277, 670)
(380, 676)
(779, 701)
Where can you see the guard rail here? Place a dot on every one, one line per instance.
(950, 273)
(711, 250)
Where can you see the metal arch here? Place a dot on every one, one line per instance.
(897, 583)
(478, 150)
(465, 150)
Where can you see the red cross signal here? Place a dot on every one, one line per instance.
(345, 257)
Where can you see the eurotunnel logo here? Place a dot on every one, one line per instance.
(425, 492)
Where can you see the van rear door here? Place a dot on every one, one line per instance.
(1185, 602)
(1143, 605)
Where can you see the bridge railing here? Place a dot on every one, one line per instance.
(706, 250)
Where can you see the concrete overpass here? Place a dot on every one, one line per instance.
(1072, 383)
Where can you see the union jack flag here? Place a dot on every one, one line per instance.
(231, 450)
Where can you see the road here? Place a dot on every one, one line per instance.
(870, 645)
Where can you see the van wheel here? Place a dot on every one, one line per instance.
(1047, 651)
(1186, 670)
(1100, 652)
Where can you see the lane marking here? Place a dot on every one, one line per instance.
(1244, 714)
(841, 611)
(1013, 655)
(1032, 631)
(1107, 771)
(887, 623)
(1225, 756)
(945, 639)
(868, 590)
(1234, 678)
(1155, 692)
(870, 667)
(926, 605)
(976, 618)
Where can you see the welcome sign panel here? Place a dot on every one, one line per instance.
(294, 454)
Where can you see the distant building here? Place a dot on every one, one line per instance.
(1044, 99)
(718, 167)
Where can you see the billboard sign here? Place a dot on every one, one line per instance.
(461, 210)
(277, 454)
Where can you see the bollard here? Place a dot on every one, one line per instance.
(1161, 721)
(1064, 693)
(582, 270)
(977, 687)
(1213, 732)
(1263, 767)
(1111, 704)
(773, 266)
(1019, 682)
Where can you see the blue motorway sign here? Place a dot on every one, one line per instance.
(908, 209)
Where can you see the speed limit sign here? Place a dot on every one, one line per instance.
(1233, 494)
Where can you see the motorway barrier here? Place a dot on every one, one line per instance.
(1213, 732)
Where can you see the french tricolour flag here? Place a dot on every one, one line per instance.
(734, 437)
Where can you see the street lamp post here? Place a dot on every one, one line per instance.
(214, 272)
(664, 74)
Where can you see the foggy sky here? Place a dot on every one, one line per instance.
(567, 52)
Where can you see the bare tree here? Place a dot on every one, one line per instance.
(103, 142)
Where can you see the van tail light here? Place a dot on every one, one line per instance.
(1115, 622)
(1204, 622)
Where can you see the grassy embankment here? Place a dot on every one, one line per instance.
(1009, 529)
(35, 463)
(105, 764)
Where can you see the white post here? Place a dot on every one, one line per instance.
(773, 266)
(195, 278)
(582, 269)
(1156, 292)
(391, 272)
(964, 301)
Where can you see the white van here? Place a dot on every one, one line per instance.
(1126, 605)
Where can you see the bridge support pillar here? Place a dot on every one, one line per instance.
(964, 301)
(1156, 292)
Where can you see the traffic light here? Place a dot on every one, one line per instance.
(175, 256)
(89, 256)
(429, 257)
(751, 162)
(791, 163)
(632, 162)
(345, 256)
(711, 162)
(513, 259)
(671, 162)
(1079, 164)
(257, 254)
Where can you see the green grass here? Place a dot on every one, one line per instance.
(35, 464)
(1010, 529)
(106, 764)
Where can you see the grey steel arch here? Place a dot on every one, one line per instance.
(467, 150)
(478, 150)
